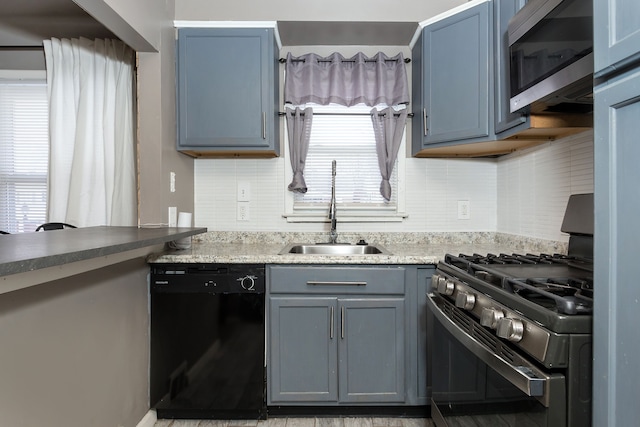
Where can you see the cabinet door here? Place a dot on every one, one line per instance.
(617, 203)
(456, 69)
(303, 338)
(223, 81)
(371, 351)
(503, 11)
(616, 34)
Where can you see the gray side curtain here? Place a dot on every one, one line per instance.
(388, 127)
(335, 79)
(299, 130)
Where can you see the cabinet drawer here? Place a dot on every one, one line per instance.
(336, 280)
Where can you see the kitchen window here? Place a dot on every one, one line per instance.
(24, 152)
(345, 134)
(351, 110)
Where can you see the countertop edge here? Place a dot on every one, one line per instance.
(83, 244)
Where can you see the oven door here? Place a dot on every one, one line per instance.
(476, 380)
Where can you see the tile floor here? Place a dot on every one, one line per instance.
(302, 422)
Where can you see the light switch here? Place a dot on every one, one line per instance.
(172, 182)
(244, 190)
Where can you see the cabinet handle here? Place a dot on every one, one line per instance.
(331, 325)
(316, 283)
(342, 322)
(424, 120)
(264, 125)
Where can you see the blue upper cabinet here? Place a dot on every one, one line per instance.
(227, 92)
(451, 85)
(461, 88)
(616, 36)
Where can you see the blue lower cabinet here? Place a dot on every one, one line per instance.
(342, 336)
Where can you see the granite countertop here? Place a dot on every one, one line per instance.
(404, 248)
(26, 252)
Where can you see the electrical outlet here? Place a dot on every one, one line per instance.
(244, 190)
(463, 209)
(243, 211)
(173, 212)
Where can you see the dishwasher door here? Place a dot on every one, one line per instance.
(207, 342)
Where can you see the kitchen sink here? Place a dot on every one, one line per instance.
(333, 249)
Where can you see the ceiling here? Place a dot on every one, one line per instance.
(28, 22)
(40, 7)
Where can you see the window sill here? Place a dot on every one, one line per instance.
(346, 217)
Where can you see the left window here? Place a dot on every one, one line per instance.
(24, 153)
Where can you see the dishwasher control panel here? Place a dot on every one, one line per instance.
(214, 278)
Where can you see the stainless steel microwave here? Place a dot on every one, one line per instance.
(551, 56)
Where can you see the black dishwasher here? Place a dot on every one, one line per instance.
(208, 341)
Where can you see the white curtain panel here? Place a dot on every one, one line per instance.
(92, 176)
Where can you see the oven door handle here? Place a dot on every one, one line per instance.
(528, 379)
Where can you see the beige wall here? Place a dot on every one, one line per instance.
(75, 351)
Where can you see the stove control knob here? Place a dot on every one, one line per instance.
(446, 286)
(490, 317)
(510, 329)
(435, 279)
(465, 300)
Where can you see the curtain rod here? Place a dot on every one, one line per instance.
(283, 60)
(281, 113)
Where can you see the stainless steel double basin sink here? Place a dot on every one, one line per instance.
(333, 249)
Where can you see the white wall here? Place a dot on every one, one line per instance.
(433, 188)
(524, 193)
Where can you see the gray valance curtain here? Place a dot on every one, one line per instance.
(377, 80)
(357, 80)
(388, 127)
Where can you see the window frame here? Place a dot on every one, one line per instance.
(348, 213)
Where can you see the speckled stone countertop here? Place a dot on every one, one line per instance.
(24, 252)
(404, 248)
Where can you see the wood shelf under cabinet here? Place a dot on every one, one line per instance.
(543, 128)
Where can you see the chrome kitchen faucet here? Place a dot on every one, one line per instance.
(332, 207)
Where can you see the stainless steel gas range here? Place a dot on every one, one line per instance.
(512, 334)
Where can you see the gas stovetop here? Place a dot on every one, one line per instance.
(559, 283)
(535, 302)
(551, 291)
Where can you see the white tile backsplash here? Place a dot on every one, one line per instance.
(523, 193)
(535, 184)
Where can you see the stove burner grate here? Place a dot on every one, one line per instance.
(565, 295)
(527, 258)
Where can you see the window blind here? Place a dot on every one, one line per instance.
(24, 153)
(346, 135)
